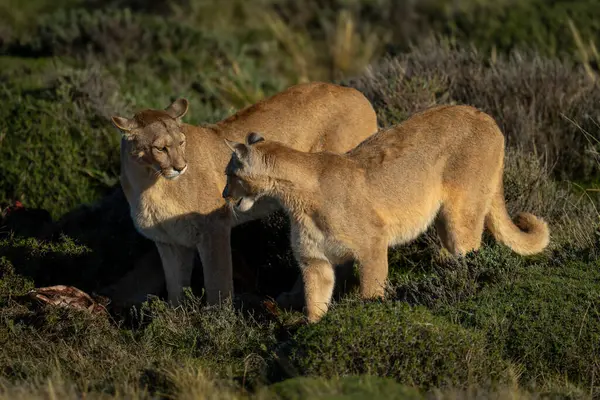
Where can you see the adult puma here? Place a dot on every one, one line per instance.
(444, 165)
(172, 172)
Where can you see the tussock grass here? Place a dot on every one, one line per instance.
(173, 354)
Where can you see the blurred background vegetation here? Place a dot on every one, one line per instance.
(493, 325)
(80, 61)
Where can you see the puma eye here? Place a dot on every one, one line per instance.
(161, 149)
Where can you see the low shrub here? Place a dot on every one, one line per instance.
(56, 166)
(437, 281)
(533, 99)
(229, 342)
(348, 387)
(170, 351)
(393, 340)
(545, 318)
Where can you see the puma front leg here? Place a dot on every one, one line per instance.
(215, 253)
(319, 279)
(178, 263)
(294, 299)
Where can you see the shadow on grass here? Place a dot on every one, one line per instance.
(95, 246)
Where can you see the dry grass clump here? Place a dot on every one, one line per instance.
(527, 94)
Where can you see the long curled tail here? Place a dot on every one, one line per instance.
(527, 235)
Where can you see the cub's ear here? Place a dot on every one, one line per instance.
(178, 108)
(124, 124)
(253, 137)
(239, 149)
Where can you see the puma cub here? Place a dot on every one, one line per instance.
(444, 164)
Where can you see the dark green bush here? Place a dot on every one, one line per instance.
(447, 281)
(397, 341)
(58, 150)
(545, 318)
(229, 342)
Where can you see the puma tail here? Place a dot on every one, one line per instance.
(527, 235)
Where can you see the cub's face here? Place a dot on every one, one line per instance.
(156, 139)
(242, 189)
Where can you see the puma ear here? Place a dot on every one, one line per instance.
(239, 149)
(178, 108)
(253, 137)
(124, 124)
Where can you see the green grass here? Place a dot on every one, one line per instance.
(545, 317)
(394, 340)
(491, 325)
(349, 387)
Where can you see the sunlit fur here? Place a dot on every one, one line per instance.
(443, 165)
(156, 141)
(188, 214)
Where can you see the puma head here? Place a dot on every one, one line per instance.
(246, 173)
(156, 138)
